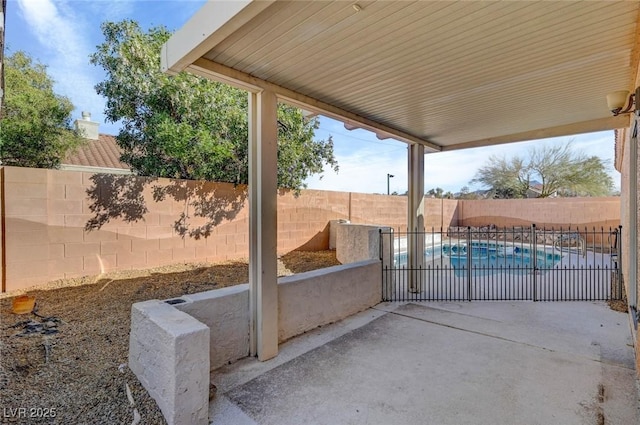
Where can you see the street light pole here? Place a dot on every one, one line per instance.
(388, 177)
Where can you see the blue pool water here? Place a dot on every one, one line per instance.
(487, 256)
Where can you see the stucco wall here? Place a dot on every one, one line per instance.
(316, 298)
(305, 301)
(226, 312)
(357, 242)
(168, 352)
(623, 153)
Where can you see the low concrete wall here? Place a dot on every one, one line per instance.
(357, 242)
(360, 242)
(173, 347)
(226, 312)
(316, 298)
(333, 230)
(168, 352)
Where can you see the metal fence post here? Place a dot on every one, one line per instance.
(469, 253)
(382, 270)
(534, 253)
(618, 262)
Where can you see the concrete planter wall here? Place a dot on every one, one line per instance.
(168, 352)
(173, 347)
(308, 300)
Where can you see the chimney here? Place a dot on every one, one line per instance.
(88, 128)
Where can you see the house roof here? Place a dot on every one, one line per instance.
(448, 75)
(101, 153)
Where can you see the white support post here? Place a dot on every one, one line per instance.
(263, 223)
(253, 222)
(633, 211)
(415, 242)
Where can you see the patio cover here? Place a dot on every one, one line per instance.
(445, 74)
(437, 75)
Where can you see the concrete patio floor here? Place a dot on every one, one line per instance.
(443, 363)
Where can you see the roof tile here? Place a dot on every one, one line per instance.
(103, 152)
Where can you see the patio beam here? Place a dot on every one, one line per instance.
(263, 223)
(215, 71)
(601, 124)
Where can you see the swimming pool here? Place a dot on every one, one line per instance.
(492, 257)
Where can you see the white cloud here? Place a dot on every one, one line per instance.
(63, 36)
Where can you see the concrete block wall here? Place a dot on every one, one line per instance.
(27, 258)
(303, 220)
(378, 210)
(441, 213)
(45, 213)
(548, 212)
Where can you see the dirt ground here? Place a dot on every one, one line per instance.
(66, 364)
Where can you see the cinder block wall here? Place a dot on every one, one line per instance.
(378, 210)
(441, 213)
(303, 220)
(391, 211)
(45, 213)
(549, 212)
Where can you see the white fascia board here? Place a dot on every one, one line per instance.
(599, 124)
(214, 22)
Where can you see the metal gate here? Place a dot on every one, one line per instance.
(491, 264)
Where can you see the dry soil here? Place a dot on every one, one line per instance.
(66, 364)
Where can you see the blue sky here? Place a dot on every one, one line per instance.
(62, 34)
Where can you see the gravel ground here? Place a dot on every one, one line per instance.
(67, 363)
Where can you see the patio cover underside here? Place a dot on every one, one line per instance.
(448, 75)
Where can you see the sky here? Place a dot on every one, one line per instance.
(62, 34)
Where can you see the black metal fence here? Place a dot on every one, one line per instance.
(487, 263)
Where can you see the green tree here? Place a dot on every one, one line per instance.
(188, 127)
(560, 170)
(439, 193)
(36, 122)
(465, 193)
(435, 193)
(507, 178)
